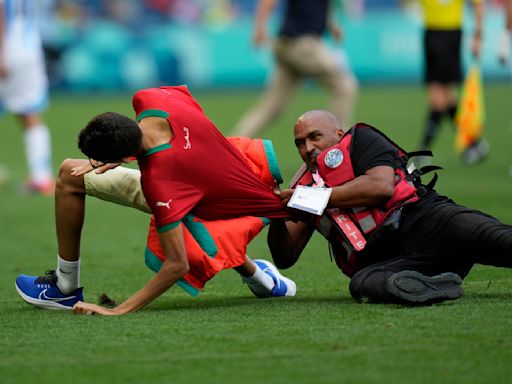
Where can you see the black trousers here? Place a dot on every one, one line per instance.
(435, 235)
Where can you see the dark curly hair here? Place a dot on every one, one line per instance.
(110, 137)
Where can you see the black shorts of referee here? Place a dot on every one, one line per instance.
(442, 52)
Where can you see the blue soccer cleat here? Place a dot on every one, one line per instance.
(283, 285)
(42, 291)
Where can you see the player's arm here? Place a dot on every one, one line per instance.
(263, 12)
(173, 268)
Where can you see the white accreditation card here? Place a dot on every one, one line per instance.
(310, 199)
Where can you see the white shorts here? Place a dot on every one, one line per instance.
(25, 90)
(120, 185)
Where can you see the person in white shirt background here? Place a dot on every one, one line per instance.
(24, 86)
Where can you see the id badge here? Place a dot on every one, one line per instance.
(310, 199)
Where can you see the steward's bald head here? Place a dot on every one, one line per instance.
(319, 117)
(315, 131)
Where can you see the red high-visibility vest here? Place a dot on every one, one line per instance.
(348, 230)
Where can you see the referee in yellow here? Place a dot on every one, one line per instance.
(443, 65)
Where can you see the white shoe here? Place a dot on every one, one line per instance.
(283, 285)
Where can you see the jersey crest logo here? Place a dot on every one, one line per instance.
(167, 204)
(187, 138)
(333, 158)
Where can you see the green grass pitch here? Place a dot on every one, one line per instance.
(225, 335)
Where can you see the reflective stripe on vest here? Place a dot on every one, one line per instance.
(348, 227)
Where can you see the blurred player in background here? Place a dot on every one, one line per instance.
(299, 53)
(24, 86)
(442, 42)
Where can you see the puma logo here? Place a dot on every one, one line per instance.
(166, 204)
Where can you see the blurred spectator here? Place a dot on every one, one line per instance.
(125, 12)
(443, 65)
(60, 24)
(24, 85)
(506, 39)
(299, 52)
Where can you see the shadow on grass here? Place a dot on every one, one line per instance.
(230, 302)
(249, 303)
(302, 303)
(499, 296)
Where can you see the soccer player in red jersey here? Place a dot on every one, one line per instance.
(186, 167)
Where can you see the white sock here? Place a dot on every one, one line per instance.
(260, 282)
(68, 275)
(38, 153)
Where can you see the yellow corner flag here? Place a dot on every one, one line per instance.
(470, 111)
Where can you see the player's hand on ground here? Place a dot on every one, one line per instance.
(82, 308)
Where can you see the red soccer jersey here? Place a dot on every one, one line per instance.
(199, 171)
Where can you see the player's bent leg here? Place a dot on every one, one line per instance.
(121, 186)
(264, 280)
(66, 182)
(42, 291)
(69, 210)
(381, 284)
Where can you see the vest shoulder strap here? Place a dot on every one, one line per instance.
(298, 175)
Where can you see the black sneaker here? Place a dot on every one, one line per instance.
(414, 287)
